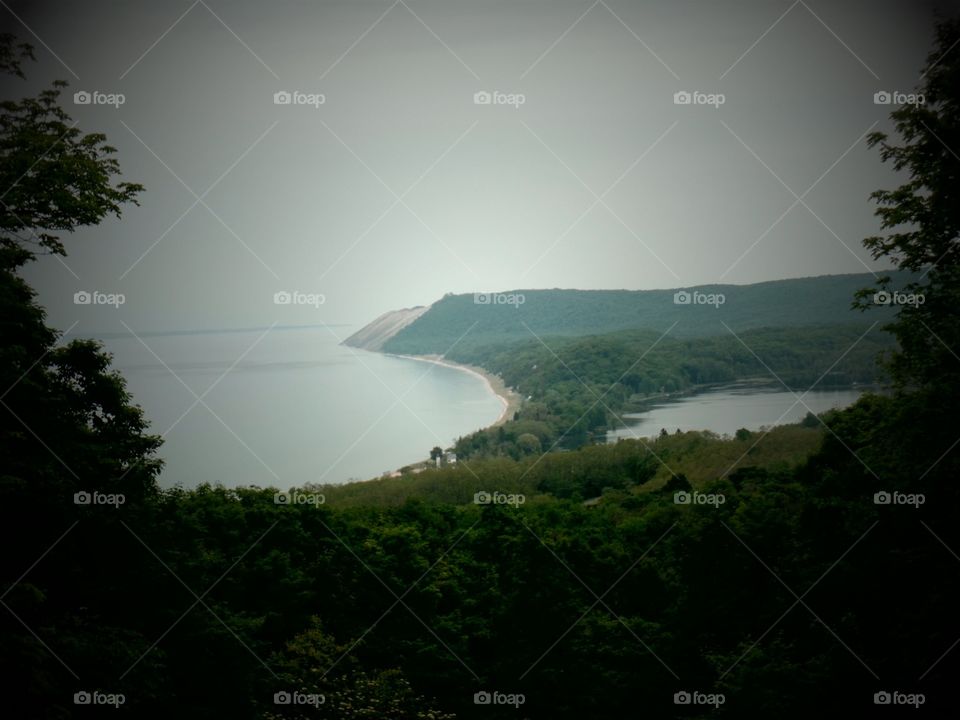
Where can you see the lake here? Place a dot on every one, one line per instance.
(288, 406)
(724, 410)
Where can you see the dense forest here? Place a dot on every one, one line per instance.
(520, 315)
(809, 570)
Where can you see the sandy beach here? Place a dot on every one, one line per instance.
(509, 398)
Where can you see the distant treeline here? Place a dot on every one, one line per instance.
(468, 322)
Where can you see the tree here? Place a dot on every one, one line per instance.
(924, 215)
(315, 665)
(58, 179)
(436, 453)
(529, 444)
(55, 178)
(67, 424)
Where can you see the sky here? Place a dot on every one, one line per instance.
(435, 146)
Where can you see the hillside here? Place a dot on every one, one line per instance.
(816, 301)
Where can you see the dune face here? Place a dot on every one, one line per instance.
(373, 335)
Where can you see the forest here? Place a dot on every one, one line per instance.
(520, 315)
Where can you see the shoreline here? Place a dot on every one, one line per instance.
(509, 398)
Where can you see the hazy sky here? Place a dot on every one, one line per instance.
(399, 187)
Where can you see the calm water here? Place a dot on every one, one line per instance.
(726, 410)
(293, 407)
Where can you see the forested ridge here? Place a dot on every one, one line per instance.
(520, 315)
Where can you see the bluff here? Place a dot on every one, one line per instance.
(469, 321)
(373, 335)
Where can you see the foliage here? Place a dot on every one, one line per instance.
(55, 177)
(924, 215)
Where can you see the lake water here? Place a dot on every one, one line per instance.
(290, 405)
(727, 409)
